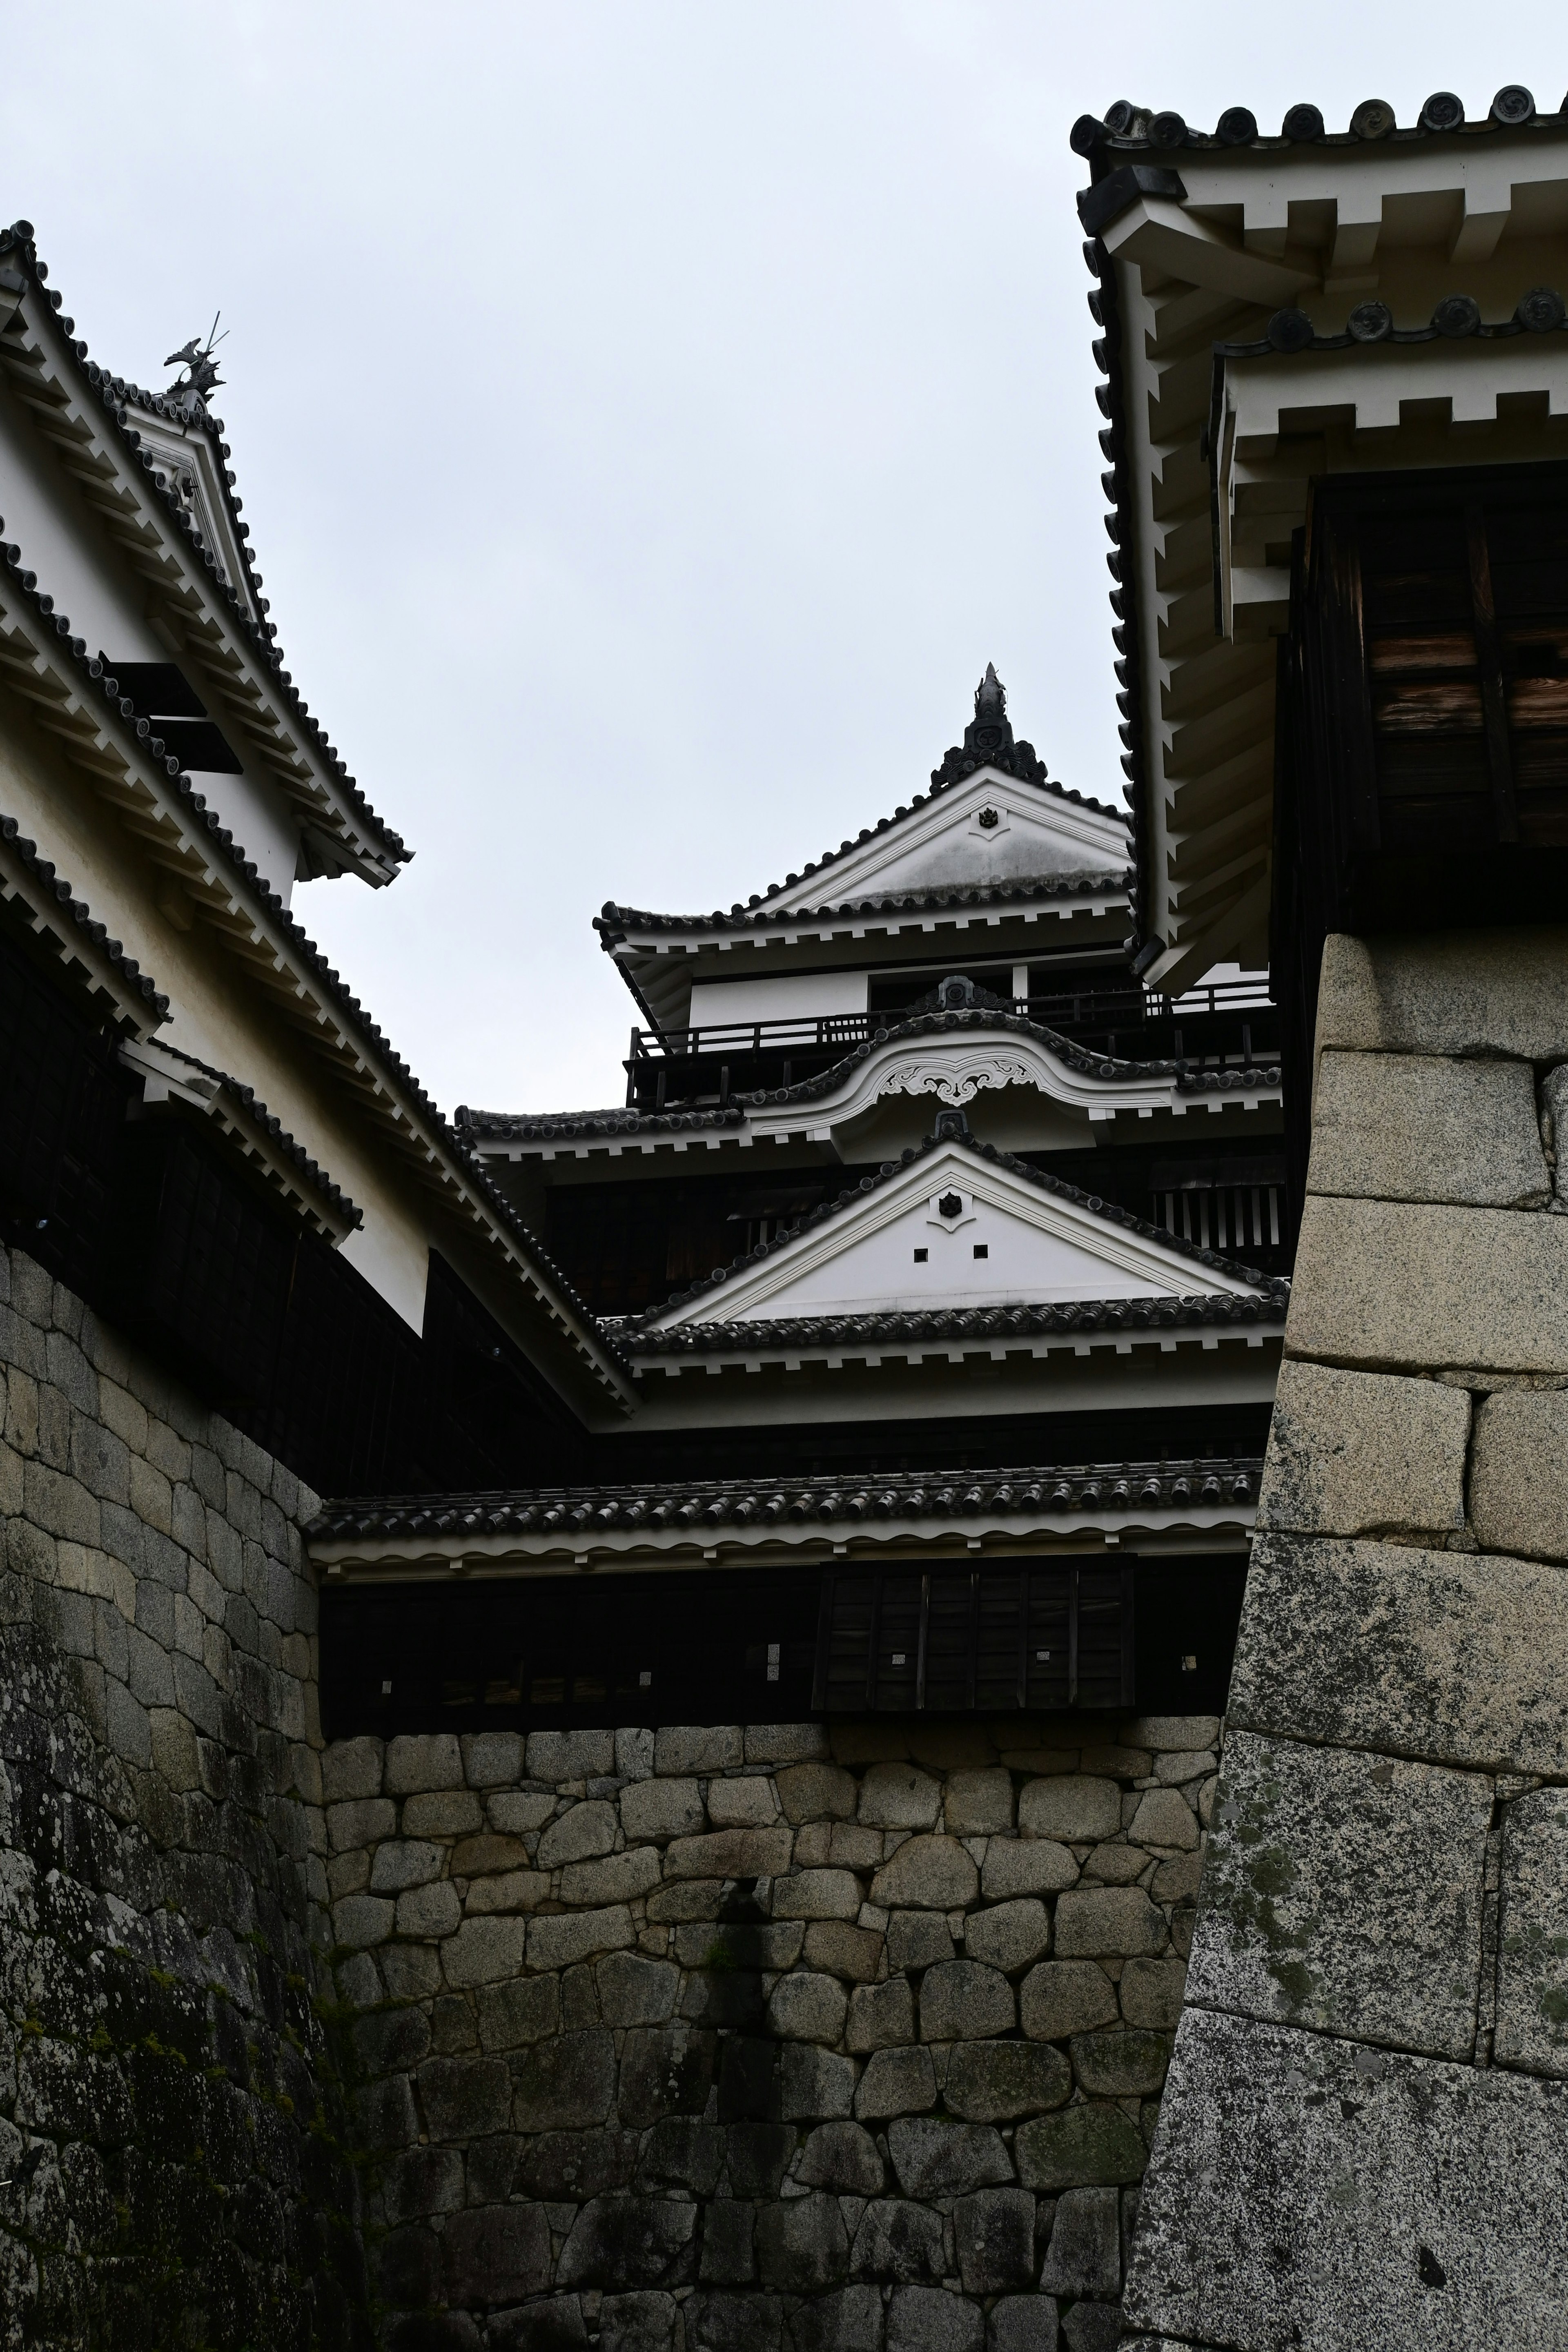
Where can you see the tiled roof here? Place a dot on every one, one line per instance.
(545, 1127)
(792, 1334)
(1268, 1286)
(1190, 1078)
(1129, 130)
(612, 921)
(118, 717)
(833, 1501)
(256, 1110)
(16, 244)
(984, 746)
(113, 954)
(1541, 312)
(1115, 147)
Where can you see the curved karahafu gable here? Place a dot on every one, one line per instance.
(955, 1227)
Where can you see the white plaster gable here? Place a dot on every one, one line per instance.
(1040, 1249)
(946, 839)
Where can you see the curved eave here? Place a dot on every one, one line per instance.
(88, 419)
(1190, 242)
(749, 1347)
(160, 808)
(1226, 1525)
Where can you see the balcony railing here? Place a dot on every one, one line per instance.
(1229, 1021)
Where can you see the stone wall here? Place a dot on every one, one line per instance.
(172, 2171)
(1364, 2141)
(727, 2041)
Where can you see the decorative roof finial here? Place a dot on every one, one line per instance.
(988, 741)
(201, 375)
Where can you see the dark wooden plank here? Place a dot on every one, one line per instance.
(1489, 649)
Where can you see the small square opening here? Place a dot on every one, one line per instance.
(982, 1249)
(921, 1255)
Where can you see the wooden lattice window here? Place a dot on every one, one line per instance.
(951, 1640)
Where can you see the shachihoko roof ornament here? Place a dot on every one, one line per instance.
(989, 742)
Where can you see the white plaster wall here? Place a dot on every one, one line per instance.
(84, 572)
(218, 1015)
(800, 996)
(1026, 1263)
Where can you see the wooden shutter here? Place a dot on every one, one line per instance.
(950, 1640)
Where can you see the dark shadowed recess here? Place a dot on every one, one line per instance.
(163, 1228)
(781, 1644)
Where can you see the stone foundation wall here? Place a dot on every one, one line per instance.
(172, 2171)
(1364, 2141)
(722, 2040)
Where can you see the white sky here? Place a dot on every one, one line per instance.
(652, 414)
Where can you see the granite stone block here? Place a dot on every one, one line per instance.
(802, 2244)
(661, 1809)
(1453, 1657)
(1401, 1287)
(1025, 1866)
(558, 1941)
(993, 2235)
(416, 1765)
(964, 2001)
(806, 2007)
(1023, 2323)
(643, 2322)
(924, 2319)
(1533, 1960)
(1151, 1992)
(942, 2159)
(728, 2253)
(560, 1756)
(635, 1990)
(880, 2017)
(896, 2083)
(1121, 2063)
(665, 2070)
(1084, 2256)
(1108, 1922)
(819, 1894)
(694, 1748)
(1461, 992)
(900, 1797)
(842, 2157)
(1344, 1891)
(1065, 1996)
(730, 1854)
(1093, 2143)
(1365, 1454)
(496, 2255)
(1070, 1806)
(1427, 1126)
(997, 2082)
(856, 1954)
(849, 2321)
(623, 2241)
(816, 2083)
(817, 1792)
(931, 1874)
(1519, 1472)
(581, 1834)
(978, 1802)
(899, 2241)
(1322, 2194)
(1010, 1937)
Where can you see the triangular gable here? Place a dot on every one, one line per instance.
(1040, 1246)
(992, 827)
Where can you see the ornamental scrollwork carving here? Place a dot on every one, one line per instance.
(955, 1080)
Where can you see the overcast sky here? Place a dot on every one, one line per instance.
(652, 414)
